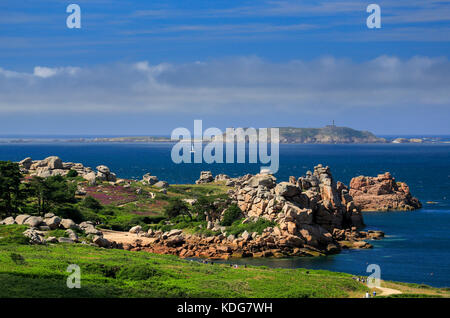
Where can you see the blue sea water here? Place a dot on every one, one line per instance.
(416, 248)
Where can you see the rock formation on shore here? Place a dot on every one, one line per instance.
(39, 227)
(382, 193)
(310, 215)
(313, 215)
(53, 165)
(313, 210)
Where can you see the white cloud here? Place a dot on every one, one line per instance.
(45, 72)
(243, 86)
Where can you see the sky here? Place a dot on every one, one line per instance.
(148, 67)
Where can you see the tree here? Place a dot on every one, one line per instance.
(204, 206)
(11, 196)
(51, 192)
(72, 173)
(91, 203)
(176, 207)
(231, 214)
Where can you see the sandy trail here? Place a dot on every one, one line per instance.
(388, 291)
(126, 237)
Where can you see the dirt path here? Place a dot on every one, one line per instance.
(125, 237)
(388, 291)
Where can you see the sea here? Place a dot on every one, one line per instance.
(416, 248)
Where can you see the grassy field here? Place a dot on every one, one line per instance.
(40, 271)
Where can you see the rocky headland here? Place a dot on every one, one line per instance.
(310, 215)
(382, 193)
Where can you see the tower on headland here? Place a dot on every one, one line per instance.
(332, 125)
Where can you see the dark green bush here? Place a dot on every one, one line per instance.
(72, 174)
(91, 203)
(176, 207)
(68, 211)
(137, 272)
(232, 214)
(18, 259)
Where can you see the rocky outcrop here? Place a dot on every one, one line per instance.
(307, 210)
(39, 227)
(53, 165)
(205, 177)
(104, 174)
(382, 193)
(149, 179)
(268, 244)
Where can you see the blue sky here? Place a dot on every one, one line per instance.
(147, 67)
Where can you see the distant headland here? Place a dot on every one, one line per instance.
(330, 134)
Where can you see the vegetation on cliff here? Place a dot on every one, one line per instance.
(329, 134)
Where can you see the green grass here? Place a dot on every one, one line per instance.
(412, 296)
(237, 227)
(12, 234)
(40, 271)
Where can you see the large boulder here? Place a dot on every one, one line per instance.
(8, 221)
(265, 180)
(205, 177)
(103, 169)
(90, 177)
(33, 221)
(174, 241)
(43, 172)
(20, 219)
(34, 236)
(174, 232)
(161, 184)
(72, 235)
(26, 163)
(287, 189)
(53, 162)
(382, 193)
(52, 222)
(89, 228)
(68, 224)
(136, 229)
(148, 178)
(101, 241)
(66, 240)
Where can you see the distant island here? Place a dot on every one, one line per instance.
(329, 134)
(288, 135)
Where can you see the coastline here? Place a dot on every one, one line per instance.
(370, 252)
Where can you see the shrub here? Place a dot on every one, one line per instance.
(203, 206)
(176, 207)
(231, 214)
(68, 211)
(72, 174)
(137, 272)
(91, 203)
(237, 227)
(18, 259)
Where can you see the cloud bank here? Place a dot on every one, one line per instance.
(241, 86)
